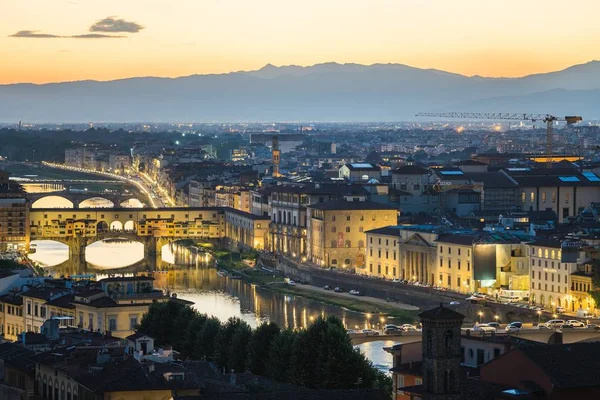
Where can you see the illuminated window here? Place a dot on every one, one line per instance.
(543, 197)
(546, 253)
(532, 197)
(567, 195)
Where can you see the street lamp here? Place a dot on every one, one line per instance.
(480, 317)
(539, 313)
(496, 318)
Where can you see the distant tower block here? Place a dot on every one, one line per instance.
(276, 155)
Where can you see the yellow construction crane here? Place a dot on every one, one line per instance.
(547, 118)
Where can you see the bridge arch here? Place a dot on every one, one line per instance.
(101, 226)
(116, 226)
(52, 201)
(96, 202)
(131, 203)
(130, 226)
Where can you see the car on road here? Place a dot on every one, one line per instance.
(391, 329)
(291, 283)
(592, 326)
(338, 289)
(555, 323)
(327, 287)
(514, 327)
(454, 303)
(409, 328)
(575, 323)
(494, 324)
(560, 310)
(566, 326)
(355, 292)
(351, 332)
(370, 332)
(484, 328)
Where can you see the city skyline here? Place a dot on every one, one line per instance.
(79, 40)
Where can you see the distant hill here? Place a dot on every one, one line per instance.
(322, 92)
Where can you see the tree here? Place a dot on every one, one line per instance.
(237, 358)
(259, 347)
(280, 356)
(191, 336)
(223, 340)
(158, 322)
(206, 340)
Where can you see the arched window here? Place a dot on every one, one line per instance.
(546, 253)
(69, 392)
(542, 302)
(539, 252)
(62, 391)
(361, 244)
(334, 244)
(348, 243)
(334, 262)
(50, 389)
(347, 261)
(448, 342)
(553, 254)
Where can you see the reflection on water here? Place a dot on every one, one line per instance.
(49, 253)
(192, 278)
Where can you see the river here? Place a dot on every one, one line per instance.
(211, 293)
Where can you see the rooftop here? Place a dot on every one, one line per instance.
(351, 205)
(441, 313)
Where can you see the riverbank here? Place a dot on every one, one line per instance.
(401, 313)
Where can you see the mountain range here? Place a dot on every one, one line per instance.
(322, 92)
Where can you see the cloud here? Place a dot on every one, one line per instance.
(34, 34)
(112, 24)
(96, 36)
(38, 35)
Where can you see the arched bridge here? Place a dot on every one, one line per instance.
(76, 199)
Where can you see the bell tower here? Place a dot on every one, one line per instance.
(441, 353)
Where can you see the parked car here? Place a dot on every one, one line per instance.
(338, 289)
(484, 328)
(494, 324)
(454, 303)
(584, 314)
(396, 280)
(370, 332)
(408, 328)
(351, 332)
(327, 287)
(566, 326)
(555, 323)
(391, 329)
(291, 283)
(514, 327)
(560, 310)
(592, 326)
(575, 323)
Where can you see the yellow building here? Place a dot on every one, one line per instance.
(36, 308)
(405, 252)
(11, 311)
(246, 230)
(383, 259)
(118, 306)
(336, 230)
(581, 286)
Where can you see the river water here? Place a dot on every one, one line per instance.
(211, 293)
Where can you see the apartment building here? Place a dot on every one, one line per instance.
(336, 230)
(552, 264)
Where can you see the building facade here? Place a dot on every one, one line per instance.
(336, 230)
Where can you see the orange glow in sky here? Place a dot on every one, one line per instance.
(49, 41)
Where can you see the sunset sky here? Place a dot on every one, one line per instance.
(64, 40)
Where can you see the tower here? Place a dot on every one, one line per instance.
(276, 154)
(441, 353)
